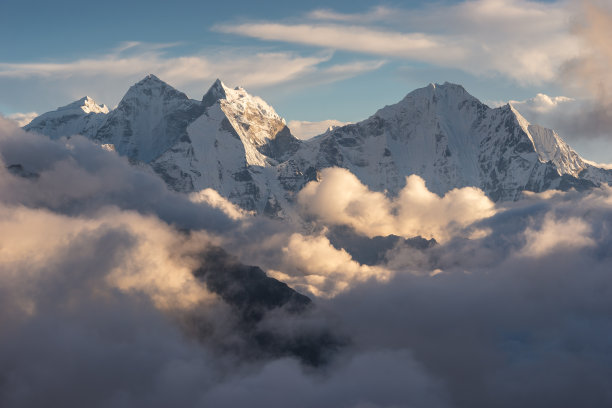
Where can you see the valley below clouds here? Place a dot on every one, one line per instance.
(115, 292)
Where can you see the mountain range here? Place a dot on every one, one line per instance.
(238, 145)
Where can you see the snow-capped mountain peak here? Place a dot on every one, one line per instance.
(87, 105)
(447, 91)
(237, 144)
(451, 139)
(78, 117)
(151, 117)
(262, 131)
(149, 89)
(445, 100)
(215, 92)
(232, 147)
(150, 80)
(81, 106)
(239, 101)
(550, 147)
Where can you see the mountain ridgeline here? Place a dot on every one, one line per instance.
(238, 145)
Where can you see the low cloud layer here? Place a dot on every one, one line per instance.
(23, 119)
(313, 265)
(99, 305)
(306, 130)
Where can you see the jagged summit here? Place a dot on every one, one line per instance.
(150, 79)
(149, 88)
(441, 92)
(437, 99)
(549, 146)
(449, 89)
(454, 91)
(232, 147)
(77, 117)
(260, 128)
(215, 92)
(151, 117)
(87, 105)
(238, 102)
(443, 87)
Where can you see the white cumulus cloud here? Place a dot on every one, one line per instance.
(341, 199)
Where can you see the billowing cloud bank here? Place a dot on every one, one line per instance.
(341, 199)
(99, 305)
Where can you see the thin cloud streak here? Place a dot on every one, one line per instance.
(179, 70)
(376, 14)
(351, 38)
(107, 76)
(525, 41)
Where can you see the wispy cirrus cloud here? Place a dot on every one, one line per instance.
(107, 76)
(134, 58)
(524, 40)
(379, 13)
(352, 38)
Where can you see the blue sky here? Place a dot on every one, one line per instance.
(312, 60)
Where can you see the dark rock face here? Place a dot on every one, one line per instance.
(281, 146)
(258, 301)
(372, 251)
(568, 182)
(215, 92)
(247, 288)
(151, 106)
(18, 170)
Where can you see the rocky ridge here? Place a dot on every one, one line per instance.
(238, 145)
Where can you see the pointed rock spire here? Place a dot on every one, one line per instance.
(217, 91)
(152, 85)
